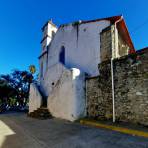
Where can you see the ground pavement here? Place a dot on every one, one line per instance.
(19, 131)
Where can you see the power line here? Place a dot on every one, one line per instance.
(140, 26)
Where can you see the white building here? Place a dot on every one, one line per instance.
(69, 54)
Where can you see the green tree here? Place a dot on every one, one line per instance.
(6, 91)
(16, 85)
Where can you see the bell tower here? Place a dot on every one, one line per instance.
(48, 30)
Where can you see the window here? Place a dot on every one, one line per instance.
(53, 34)
(44, 47)
(62, 55)
(42, 69)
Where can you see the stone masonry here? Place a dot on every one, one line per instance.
(131, 90)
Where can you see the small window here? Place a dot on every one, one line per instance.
(44, 47)
(53, 34)
(42, 69)
(62, 55)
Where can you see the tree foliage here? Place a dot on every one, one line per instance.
(6, 90)
(16, 85)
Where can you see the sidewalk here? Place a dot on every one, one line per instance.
(125, 128)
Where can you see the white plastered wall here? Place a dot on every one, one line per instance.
(66, 95)
(67, 99)
(35, 99)
(82, 46)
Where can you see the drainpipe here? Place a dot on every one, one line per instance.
(113, 94)
(86, 96)
(112, 75)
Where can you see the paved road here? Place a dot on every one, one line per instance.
(20, 131)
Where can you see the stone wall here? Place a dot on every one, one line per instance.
(122, 46)
(131, 90)
(99, 97)
(106, 44)
(112, 39)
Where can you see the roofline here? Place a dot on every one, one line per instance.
(128, 34)
(145, 49)
(112, 19)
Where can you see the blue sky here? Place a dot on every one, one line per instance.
(21, 22)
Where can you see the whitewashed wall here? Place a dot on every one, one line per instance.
(82, 46)
(51, 78)
(82, 51)
(65, 91)
(35, 99)
(67, 99)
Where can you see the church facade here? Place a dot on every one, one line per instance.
(69, 55)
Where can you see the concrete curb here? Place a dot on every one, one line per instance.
(115, 128)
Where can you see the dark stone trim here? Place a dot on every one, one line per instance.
(44, 38)
(88, 78)
(106, 29)
(42, 54)
(138, 52)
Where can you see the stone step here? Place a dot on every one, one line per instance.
(40, 113)
(40, 116)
